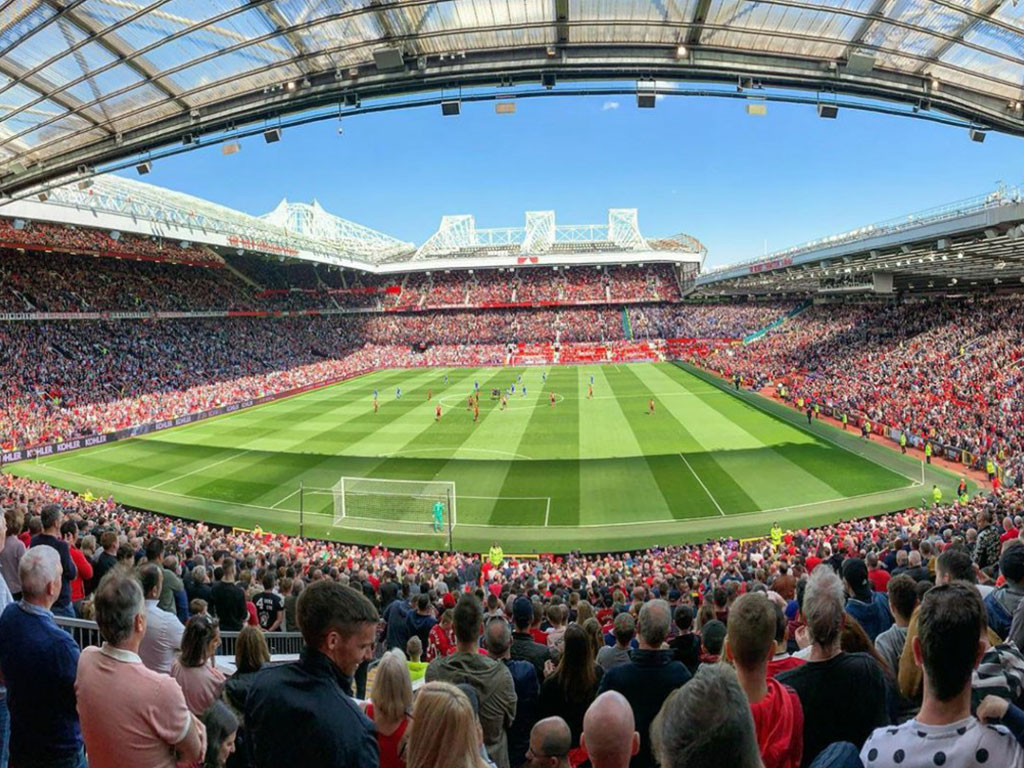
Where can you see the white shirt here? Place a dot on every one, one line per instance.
(162, 639)
(963, 744)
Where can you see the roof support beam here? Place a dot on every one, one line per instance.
(700, 16)
(288, 33)
(562, 22)
(958, 36)
(875, 14)
(45, 89)
(123, 52)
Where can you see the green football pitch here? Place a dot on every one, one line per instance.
(589, 474)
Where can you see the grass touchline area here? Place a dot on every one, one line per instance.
(591, 473)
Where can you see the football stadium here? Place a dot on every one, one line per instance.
(326, 438)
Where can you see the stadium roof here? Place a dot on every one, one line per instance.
(305, 231)
(85, 83)
(972, 244)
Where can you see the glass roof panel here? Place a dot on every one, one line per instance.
(20, 19)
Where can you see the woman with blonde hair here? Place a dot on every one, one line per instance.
(584, 611)
(445, 732)
(389, 710)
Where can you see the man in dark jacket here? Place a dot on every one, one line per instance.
(498, 640)
(1002, 602)
(524, 648)
(651, 675)
(312, 697)
(51, 516)
(229, 600)
(397, 619)
(422, 620)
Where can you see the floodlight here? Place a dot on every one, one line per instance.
(230, 149)
(144, 168)
(828, 111)
(272, 135)
(84, 184)
(451, 108)
(976, 135)
(681, 51)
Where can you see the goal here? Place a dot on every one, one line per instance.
(408, 505)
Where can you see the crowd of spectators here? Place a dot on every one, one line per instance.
(47, 236)
(706, 321)
(882, 641)
(946, 370)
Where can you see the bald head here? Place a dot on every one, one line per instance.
(609, 731)
(550, 742)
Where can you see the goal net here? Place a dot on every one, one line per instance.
(425, 505)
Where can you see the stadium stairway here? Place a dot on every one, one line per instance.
(751, 337)
(627, 329)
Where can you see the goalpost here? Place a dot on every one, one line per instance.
(414, 506)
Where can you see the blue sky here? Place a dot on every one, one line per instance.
(700, 166)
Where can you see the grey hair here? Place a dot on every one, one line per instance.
(497, 637)
(117, 602)
(706, 724)
(655, 617)
(823, 606)
(39, 567)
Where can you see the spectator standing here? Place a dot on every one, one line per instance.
(162, 638)
(131, 715)
(902, 601)
(291, 599)
(829, 717)
(221, 735)
(51, 518)
(313, 696)
(491, 679)
(609, 733)
(1002, 602)
(228, 599)
(650, 676)
(949, 645)
(6, 598)
(107, 559)
(391, 707)
(38, 662)
(686, 644)
(549, 743)
(200, 680)
(573, 685)
(444, 732)
(421, 620)
(69, 533)
(986, 550)
(878, 576)
(869, 608)
(623, 629)
(269, 605)
(12, 552)
(251, 655)
(498, 641)
(778, 715)
(524, 647)
(706, 723)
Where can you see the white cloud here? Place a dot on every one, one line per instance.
(609, 105)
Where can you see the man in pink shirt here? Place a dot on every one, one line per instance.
(131, 715)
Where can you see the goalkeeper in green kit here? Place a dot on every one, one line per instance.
(438, 516)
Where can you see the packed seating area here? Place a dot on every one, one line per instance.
(45, 236)
(944, 370)
(800, 648)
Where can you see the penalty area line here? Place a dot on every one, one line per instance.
(713, 499)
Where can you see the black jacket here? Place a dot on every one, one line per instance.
(525, 648)
(228, 605)
(645, 682)
(301, 714)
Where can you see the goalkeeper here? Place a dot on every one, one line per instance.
(438, 516)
